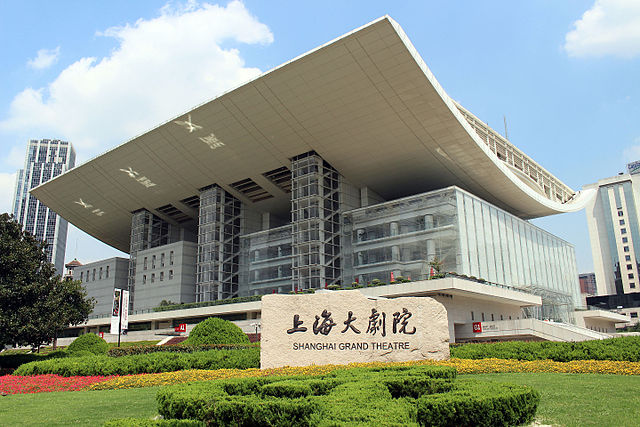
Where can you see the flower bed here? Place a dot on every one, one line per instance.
(463, 366)
(11, 384)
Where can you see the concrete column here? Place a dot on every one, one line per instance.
(360, 234)
(395, 253)
(394, 228)
(428, 221)
(431, 249)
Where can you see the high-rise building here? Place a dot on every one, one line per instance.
(612, 217)
(587, 283)
(45, 160)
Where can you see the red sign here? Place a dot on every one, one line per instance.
(477, 327)
(182, 327)
(101, 334)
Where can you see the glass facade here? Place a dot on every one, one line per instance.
(469, 236)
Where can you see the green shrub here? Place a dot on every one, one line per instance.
(88, 342)
(419, 395)
(142, 422)
(144, 363)
(216, 331)
(476, 403)
(146, 349)
(621, 349)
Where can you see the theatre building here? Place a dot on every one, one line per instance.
(348, 166)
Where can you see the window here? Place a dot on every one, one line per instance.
(87, 276)
(509, 317)
(620, 213)
(632, 285)
(145, 263)
(622, 222)
(170, 274)
(153, 261)
(153, 277)
(162, 260)
(627, 257)
(623, 231)
(100, 274)
(625, 240)
(171, 258)
(629, 267)
(81, 276)
(107, 273)
(501, 318)
(161, 276)
(472, 316)
(626, 248)
(483, 317)
(492, 319)
(144, 279)
(630, 275)
(93, 276)
(634, 315)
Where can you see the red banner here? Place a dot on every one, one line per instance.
(477, 327)
(182, 327)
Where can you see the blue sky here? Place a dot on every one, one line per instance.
(565, 74)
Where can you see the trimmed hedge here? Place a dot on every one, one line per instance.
(13, 361)
(139, 422)
(419, 395)
(144, 363)
(215, 330)
(146, 349)
(89, 342)
(622, 349)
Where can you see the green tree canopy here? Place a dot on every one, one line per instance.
(35, 304)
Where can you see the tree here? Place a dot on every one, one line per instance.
(35, 304)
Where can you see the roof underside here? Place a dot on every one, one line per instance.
(365, 102)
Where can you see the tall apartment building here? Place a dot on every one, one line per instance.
(45, 159)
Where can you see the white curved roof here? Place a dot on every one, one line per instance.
(366, 102)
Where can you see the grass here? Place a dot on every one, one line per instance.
(77, 408)
(581, 399)
(567, 400)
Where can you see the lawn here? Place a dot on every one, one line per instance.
(581, 399)
(567, 399)
(77, 408)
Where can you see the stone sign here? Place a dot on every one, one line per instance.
(340, 327)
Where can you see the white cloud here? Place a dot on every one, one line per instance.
(7, 187)
(45, 58)
(160, 68)
(610, 27)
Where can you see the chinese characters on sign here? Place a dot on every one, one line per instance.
(341, 327)
(139, 179)
(96, 212)
(377, 323)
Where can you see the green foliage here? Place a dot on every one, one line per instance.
(623, 349)
(144, 363)
(12, 361)
(216, 331)
(88, 343)
(419, 395)
(146, 349)
(476, 403)
(168, 307)
(141, 422)
(35, 304)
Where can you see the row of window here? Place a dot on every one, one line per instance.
(160, 277)
(85, 278)
(153, 260)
